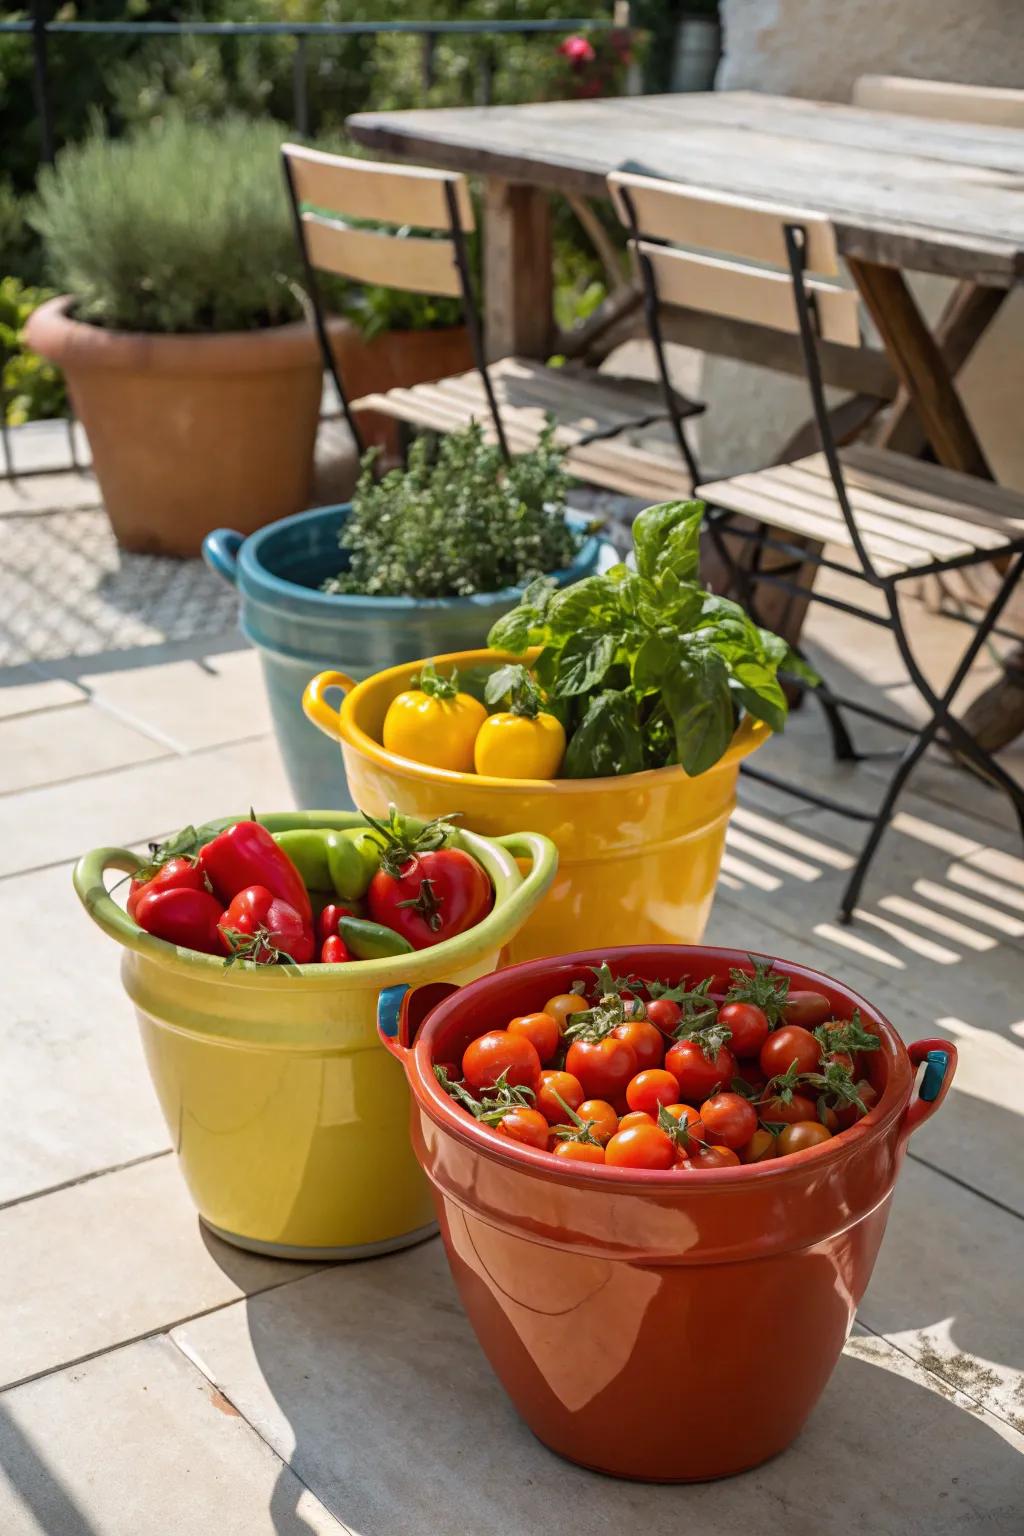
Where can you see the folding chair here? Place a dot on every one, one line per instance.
(513, 396)
(895, 516)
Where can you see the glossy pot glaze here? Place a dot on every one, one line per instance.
(299, 630)
(289, 1120)
(633, 1317)
(637, 855)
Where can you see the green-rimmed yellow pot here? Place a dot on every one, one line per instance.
(289, 1118)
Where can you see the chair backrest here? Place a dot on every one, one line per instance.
(740, 267)
(994, 106)
(332, 190)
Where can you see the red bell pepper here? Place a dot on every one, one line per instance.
(260, 926)
(245, 855)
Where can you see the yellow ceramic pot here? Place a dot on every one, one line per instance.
(289, 1118)
(638, 856)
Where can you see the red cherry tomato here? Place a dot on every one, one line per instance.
(261, 927)
(850, 1114)
(330, 917)
(527, 1126)
(698, 1078)
(729, 1120)
(563, 1004)
(601, 1117)
(485, 1059)
(579, 1152)
(649, 1089)
(840, 1059)
(436, 896)
(664, 1014)
(788, 1045)
(751, 1073)
(714, 1157)
(808, 1009)
(778, 1112)
(184, 917)
(641, 1146)
(540, 1029)
(604, 1067)
(749, 1026)
(635, 1117)
(334, 950)
(175, 875)
(647, 1042)
(804, 1134)
(567, 1087)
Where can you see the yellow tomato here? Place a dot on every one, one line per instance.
(511, 746)
(434, 723)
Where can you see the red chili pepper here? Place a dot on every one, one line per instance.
(334, 951)
(259, 926)
(327, 922)
(246, 855)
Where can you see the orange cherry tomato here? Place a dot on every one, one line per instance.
(778, 1112)
(698, 1077)
(647, 1042)
(759, 1148)
(604, 1066)
(649, 1089)
(567, 1087)
(714, 1157)
(564, 1004)
(636, 1117)
(729, 1120)
(526, 1125)
(601, 1113)
(497, 1052)
(579, 1152)
(694, 1132)
(641, 1146)
(542, 1031)
(804, 1134)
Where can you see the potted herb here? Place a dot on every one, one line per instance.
(421, 562)
(180, 331)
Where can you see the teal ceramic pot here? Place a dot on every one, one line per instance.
(300, 631)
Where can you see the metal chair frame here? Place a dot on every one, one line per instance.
(942, 723)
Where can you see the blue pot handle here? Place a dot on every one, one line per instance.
(401, 1010)
(220, 551)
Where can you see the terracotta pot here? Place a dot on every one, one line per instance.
(395, 360)
(640, 1321)
(189, 432)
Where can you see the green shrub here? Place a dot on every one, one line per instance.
(33, 389)
(21, 254)
(457, 520)
(183, 227)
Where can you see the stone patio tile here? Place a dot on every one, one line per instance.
(47, 693)
(53, 824)
(56, 745)
(137, 1443)
(106, 1261)
(369, 1381)
(75, 1095)
(189, 705)
(47, 493)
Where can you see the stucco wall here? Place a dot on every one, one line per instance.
(817, 48)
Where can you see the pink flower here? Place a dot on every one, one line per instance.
(577, 50)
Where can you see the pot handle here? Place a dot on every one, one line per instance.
(316, 706)
(220, 551)
(401, 1010)
(92, 892)
(940, 1058)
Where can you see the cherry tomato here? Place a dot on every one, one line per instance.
(580, 1151)
(647, 1042)
(664, 1014)
(778, 1112)
(636, 1117)
(641, 1146)
(567, 1087)
(729, 1120)
(714, 1157)
(759, 1148)
(850, 1114)
(840, 1059)
(683, 1159)
(808, 1009)
(262, 927)
(692, 1127)
(604, 1067)
(751, 1073)
(540, 1029)
(698, 1078)
(184, 917)
(786, 1045)
(175, 875)
(803, 1134)
(526, 1125)
(565, 1003)
(486, 1059)
(603, 1120)
(649, 1089)
(749, 1026)
(330, 917)
(828, 1117)
(437, 895)
(334, 950)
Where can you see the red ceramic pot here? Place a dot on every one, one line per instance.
(641, 1321)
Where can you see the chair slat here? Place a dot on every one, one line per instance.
(738, 226)
(391, 194)
(412, 262)
(935, 480)
(744, 293)
(777, 511)
(996, 106)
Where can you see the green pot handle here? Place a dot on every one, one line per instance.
(92, 892)
(543, 856)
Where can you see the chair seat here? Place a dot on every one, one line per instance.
(910, 514)
(593, 414)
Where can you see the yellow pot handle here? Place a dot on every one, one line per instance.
(316, 706)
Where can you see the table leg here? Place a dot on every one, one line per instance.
(518, 285)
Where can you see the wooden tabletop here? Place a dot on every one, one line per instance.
(901, 191)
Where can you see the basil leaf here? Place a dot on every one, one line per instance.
(667, 537)
(700, 703)
(607, 740)
(760, 694)
(575, 606)
(655, 657)
(585, 659)
(514, 630)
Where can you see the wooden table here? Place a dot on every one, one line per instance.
(903, 193)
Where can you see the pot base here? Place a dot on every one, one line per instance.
(332, 1255)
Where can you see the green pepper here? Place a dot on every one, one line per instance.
(368, 847)
(307, 849)
(371, 941)
(342, 862)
